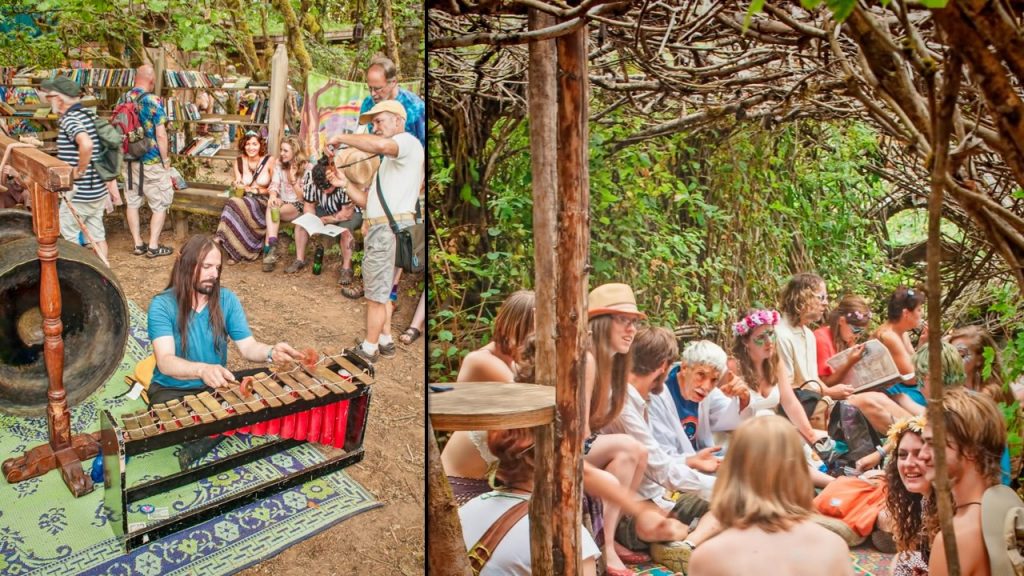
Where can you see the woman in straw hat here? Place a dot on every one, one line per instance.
(613, 317)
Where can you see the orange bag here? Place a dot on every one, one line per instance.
(854, 501)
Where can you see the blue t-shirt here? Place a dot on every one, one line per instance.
(415, 114)
(688, 410)
(163, 321)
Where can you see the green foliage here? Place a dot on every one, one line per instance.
(700, 227)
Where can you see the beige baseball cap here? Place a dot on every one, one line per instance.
(393, 106)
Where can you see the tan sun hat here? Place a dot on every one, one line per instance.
(393, 106)
(359, 167)
(612, 299)
(1002, 526)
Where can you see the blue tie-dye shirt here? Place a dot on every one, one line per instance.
(415, 114)
(151, 115)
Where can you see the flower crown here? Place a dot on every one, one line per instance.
(913, 424)
(755, 319)
(858, 316)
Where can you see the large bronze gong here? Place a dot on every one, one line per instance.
(94, 314)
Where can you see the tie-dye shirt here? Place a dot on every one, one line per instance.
(151, 115)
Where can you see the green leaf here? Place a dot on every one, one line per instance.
(934, 3)
(841, 9)
(756, 6)
(445, 336)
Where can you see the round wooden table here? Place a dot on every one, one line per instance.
(491, 406)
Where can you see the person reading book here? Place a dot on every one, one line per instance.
(842, 359)
(904, 313)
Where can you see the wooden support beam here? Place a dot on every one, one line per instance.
(278, 94)
(45, 175)
(542, 95)
(570, 307)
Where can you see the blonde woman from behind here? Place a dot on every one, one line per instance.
(763, 500)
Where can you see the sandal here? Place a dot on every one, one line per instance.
(631, 557)
(412, 334)
(160, 250)
(353, 293)
(140, 249)
(295, 266)
(345, 276)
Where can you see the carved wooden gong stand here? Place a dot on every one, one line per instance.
(46, 176)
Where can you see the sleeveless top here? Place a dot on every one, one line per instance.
(479, 439)
(762, 405)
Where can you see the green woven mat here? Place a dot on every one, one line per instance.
(45, 530)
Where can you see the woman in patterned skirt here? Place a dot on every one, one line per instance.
(243, 222)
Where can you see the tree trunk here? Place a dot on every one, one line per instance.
(296, 46)
(542, 98)
(244, 38)
(942, 118)
(387, 23)
(570, 307)
(446, 553)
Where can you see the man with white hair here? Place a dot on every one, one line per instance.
(77, 141)
(397, 184)
(149, 178)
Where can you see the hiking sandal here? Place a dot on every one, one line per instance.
(160, 250)
(345, 276)
(139, 250)
(410, 335)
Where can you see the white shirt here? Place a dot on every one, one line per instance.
(400, 179)
(512, 555)
(666, 468)
(798, 351)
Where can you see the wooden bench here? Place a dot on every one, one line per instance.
(198, 198)
(205, 199)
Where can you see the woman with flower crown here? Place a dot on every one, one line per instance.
(909, 513)
(845, 325)
(760, 369)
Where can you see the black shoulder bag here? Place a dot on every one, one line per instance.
(411, 241)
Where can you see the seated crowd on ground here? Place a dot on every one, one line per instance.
(687, 458)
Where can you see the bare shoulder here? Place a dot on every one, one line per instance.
(483, 366)
(707, 558)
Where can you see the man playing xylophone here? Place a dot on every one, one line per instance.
(190, 323)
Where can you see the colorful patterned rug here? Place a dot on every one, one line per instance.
(44, 530)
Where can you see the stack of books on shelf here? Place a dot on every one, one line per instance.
(258, 110)
(178, 110)
(186, 79)
(238, 83)
(98, 77)
(23, 76)
(203, 146)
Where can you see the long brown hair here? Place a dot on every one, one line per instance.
(978, 339)
(769, 367)
(514, 322)
(297, 167)
(182, 285)
(611, 371)
(797, 294)
(749, 493)
(857, 313)
(905, 507)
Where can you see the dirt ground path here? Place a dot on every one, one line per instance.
(308, 310)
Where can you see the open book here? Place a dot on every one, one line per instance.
(875, 369)
(313, 225)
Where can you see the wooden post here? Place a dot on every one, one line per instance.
(542, 101)
(45, 176)
(570, 307)
(941, 109)
(446, 553)
(278, 94)
(159, 66)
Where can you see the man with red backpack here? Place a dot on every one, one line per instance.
(140, 116)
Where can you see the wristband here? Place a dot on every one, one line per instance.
(881, 452)
(270, 355)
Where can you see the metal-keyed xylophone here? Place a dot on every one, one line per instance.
(325, 402)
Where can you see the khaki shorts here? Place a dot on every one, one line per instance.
(156, 187)
(91, 214)
(378, 263)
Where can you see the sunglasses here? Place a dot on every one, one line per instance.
(249, 133)
(857, 330)
(822, 297)
(766, 337)
(965, 353)
(377, 89)
(626, 321)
